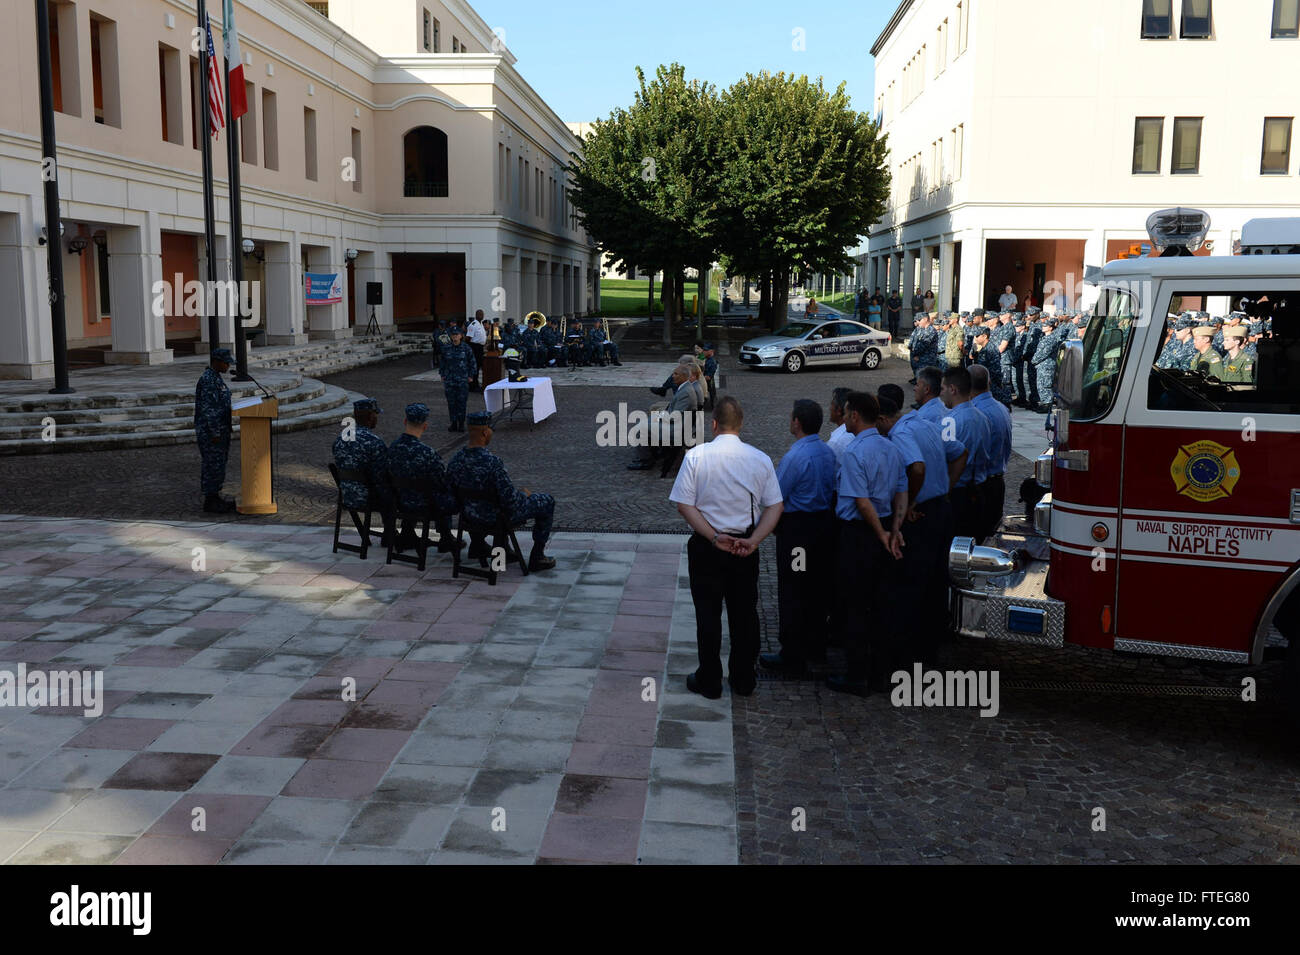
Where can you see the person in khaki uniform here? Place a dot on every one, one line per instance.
(1206, 361)
(1238, 364)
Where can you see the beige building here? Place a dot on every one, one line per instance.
(392, 142)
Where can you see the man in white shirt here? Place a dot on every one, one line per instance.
(840, 437)
(477, 335)
(1007, 300)
(729, 494)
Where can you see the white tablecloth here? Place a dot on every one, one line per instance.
(497, 395)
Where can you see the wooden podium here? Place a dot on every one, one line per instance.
(255, 456)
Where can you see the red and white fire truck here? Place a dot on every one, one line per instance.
(1172, 522)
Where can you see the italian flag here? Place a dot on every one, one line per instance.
(238, 104)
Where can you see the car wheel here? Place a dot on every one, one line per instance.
(793, 362)
(871, 359)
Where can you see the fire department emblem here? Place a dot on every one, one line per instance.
(1205, 471)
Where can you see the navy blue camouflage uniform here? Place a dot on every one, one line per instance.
(457, 367)
(365, 452)
(478, 469)
(1005, 333)
(212, 428)
(925, 348)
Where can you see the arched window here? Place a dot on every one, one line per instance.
(424, 158)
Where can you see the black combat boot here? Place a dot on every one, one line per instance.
(538, 560)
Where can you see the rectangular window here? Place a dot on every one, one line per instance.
(169, 94)
(455, 45)
(1147, 135)
(428, 33)
(959, 144)
(1187, 146)
(520, 182)
(356, 160)
(501, 171)
(270, 131)
(1197, 23)
(1157, 19)
(1276, 160)
(1286, 19)
(65, 58)
(248, 126)
(437, 29)
(104, 72)
(101, 262)
(309, 141)
(963, 27)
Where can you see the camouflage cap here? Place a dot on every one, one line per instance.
(366, 404)
(223, 354)
(1184, 321)
(417, 413)
(479, 419)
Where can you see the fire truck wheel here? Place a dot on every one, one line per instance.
(1288, 623)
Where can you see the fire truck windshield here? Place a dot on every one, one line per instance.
(1104, 346)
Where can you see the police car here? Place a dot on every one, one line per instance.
(802, 343)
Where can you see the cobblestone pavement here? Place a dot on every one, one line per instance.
(1180, 778)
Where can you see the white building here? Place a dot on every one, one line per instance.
(1031, 138)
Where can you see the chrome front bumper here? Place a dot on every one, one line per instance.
(999, 591)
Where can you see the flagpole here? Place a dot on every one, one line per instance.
(53, 244)
(236, 231)
(209, 211)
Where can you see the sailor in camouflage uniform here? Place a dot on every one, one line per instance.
(476, 468)
(531, 340)
(1045, 360)
(553, 350)
(983, 352)
(1206, 360)
(1017, 351)
(1004, 340)
(410, 457)
(1238, 365)
(954, 347)
(1034, 332)
(924, 345)
(1179, 350)
(457, 369)
(212, 429)
(359, 449)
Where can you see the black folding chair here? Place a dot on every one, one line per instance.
(503, 535)
(362, 526)
(424, 515)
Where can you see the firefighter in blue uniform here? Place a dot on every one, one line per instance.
(457, 369)
(212, 428)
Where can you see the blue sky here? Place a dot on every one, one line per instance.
(580, 55)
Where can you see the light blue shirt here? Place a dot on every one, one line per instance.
(972, 430)
(999, 419)
(807, 475)
(933, 410)
(870, 467)
(920, 440)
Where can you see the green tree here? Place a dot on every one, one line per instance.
(805, 175)
(645, 186)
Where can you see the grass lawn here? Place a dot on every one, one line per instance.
(627, 297)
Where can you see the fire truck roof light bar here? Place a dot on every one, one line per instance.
(1178, 228)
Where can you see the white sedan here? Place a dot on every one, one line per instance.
(834, 342)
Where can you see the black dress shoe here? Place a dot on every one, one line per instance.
(693, 684)
(841, 684)
(540, 563)
(742, 689)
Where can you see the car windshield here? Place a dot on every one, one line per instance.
(797, 329)
(1104, 346)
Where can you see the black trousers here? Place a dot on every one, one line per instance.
(967, 511)
(478, 361)
(925, 574)
(866, 581)
(993, 496)
(718, 578)
(801, 582)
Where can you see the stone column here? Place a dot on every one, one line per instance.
(909, 282)
(134, 265)
(327, 322)
(282, 294)
(947, 257)
(927, 268)
(373, 267)
(972, 270)
(482, 277)
(26, 347)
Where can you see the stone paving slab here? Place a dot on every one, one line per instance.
(363, 714)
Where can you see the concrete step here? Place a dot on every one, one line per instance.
(326, 409)
(52, 404)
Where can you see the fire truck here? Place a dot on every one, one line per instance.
(1171, 519)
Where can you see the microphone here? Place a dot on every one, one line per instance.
(268, 394)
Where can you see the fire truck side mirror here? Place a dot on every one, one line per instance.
(1069, 377)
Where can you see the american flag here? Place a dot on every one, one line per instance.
(216, 97)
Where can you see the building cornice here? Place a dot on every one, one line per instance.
(897, 18)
